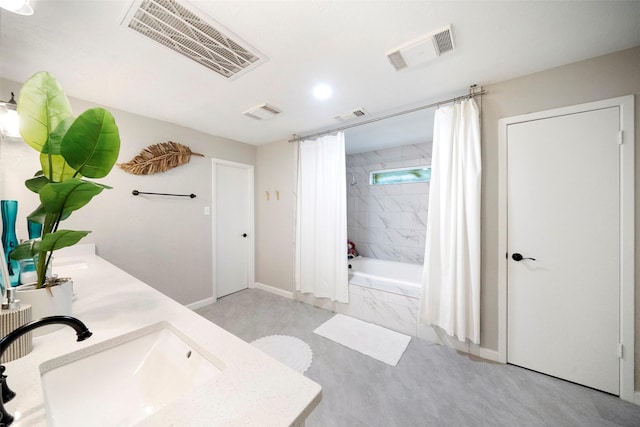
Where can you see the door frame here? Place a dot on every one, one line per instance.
(251, 232)
(627, 232)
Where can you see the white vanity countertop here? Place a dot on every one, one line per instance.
(252, 390)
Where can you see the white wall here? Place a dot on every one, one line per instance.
(599, 78)
(163, 241)
(604, 77)
(275, 221)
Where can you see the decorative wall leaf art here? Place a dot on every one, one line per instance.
(159, 158)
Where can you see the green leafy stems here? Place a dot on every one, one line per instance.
(70, 149)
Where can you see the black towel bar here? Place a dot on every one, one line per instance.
(136, 192)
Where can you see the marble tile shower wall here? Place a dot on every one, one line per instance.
(388, 221)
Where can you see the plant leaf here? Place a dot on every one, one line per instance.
(60, 169)
(25, 250)
(92, 143)
(36, 183)
(55, 138)
(53, 164)
(159, 158)
(37, 215)
(42, 105)
(68, 196)
(61, 239)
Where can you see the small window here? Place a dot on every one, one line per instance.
(400, 176)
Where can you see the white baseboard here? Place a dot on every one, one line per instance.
(448, 341)
(484, 353)
(257, 285)
(201, 303)
(273, 290)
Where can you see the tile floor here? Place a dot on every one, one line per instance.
(431, 386)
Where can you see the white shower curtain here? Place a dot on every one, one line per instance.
(451, 276)
(321, 220)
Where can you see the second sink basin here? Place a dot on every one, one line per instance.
(123, 380)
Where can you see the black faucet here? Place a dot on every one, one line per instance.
(81, 330)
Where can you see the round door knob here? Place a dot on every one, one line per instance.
(518, 257)
(244, 234)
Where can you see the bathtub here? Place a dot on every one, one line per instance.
(387, 276)
(386, 293)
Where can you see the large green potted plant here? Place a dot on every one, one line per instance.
(71, 149)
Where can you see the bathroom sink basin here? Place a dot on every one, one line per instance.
(123, 380)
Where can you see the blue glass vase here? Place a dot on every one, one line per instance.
(9, 209)
(34, 229)
(28, 272)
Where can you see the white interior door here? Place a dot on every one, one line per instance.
(563, 209)
(233, 227)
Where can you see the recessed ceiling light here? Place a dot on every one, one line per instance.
(322, 91)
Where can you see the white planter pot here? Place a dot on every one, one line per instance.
(44, 303)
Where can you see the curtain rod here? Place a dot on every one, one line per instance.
(473, 92)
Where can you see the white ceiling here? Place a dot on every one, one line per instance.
(342, 43)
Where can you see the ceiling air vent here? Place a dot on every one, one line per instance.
(202, 40)
(353, 114)
(262, 112)
(422, 49)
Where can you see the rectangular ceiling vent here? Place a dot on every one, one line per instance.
(262, 112)
(422, 49)
(353, 114)
(204, 41)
